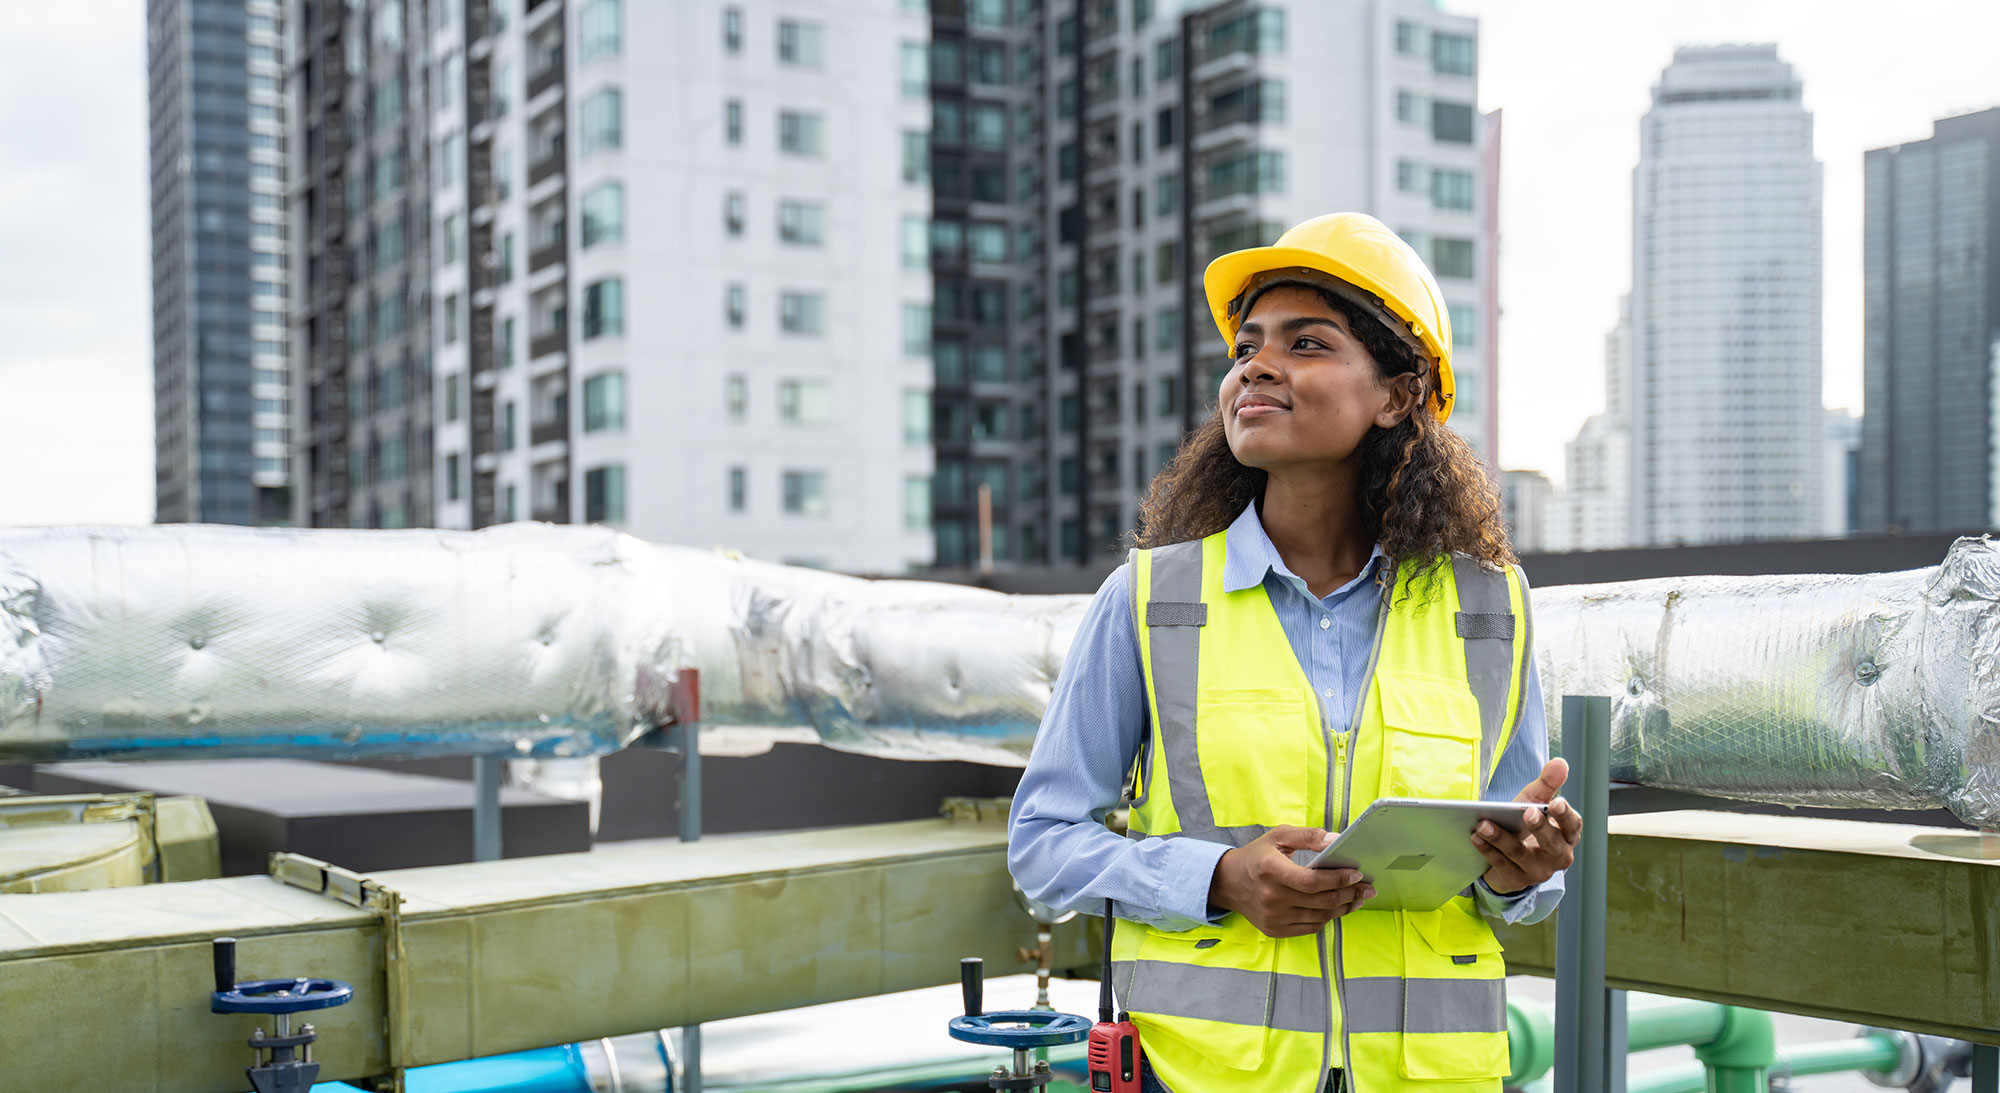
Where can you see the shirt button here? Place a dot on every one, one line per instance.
(1324, 622)
(1328, 692)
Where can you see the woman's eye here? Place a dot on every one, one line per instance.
(1308, 343)
(1243, 350)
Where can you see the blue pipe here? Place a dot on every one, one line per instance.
(544, 1070)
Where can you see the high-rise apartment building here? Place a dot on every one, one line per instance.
(220, 411)
(361, 92)
(1089, 158)
(1725, 417)
(1930, 446)
(1590, 512)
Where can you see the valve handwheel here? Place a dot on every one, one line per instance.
(284, 1062)
(1022, 1031)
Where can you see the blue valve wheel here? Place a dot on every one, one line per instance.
(281, 996)
(1020, 1028)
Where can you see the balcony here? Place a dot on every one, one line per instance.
(551, 76)
(546, 344)
(547, 167)
(549, 254)
(546, 432)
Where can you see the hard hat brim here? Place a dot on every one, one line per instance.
(1228, 275)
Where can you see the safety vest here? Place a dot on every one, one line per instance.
(1404, 1001)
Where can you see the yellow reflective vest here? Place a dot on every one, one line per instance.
(1403, 1001)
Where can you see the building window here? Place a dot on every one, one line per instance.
(509, 505)
(1251, 32)
(916, 157)
(988, 242)
(916, 330)
(801, 223)
(916, 69)
(601, 117)
(449, 316)
(1413, 39)
(452, 385)
(805, 493)
(916, 502)
(798, 43)
(989, 125)
(916, 243)
(803, 402)
(604, 494)
(1451, 122)
(453, 476)
(604, 214)
(1167, 328)
(1452, 257)
(1166, 194)
(799, 133)
(1250, 173)
(1453, 55)
(736, 396)
(732, 29)
(507, 436)
(801, 312)
(734, 307)
(1413, 108)
(732, 121)
(733, 212)
(1451, 189)
(916, 417)
(604, 402)
(1463, 330)
(604, 308)
(1412, 177)
(739, 489)
(507, 342)
(1166, 60)
(598, 30)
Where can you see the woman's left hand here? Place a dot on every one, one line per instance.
(1544, 847)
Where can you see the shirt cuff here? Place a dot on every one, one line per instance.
(1184, 883)
(1507, 908)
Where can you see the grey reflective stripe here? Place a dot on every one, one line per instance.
(1176, 656)
(1489, 661)
(1163, 613)
(1389, 1004)
(1472, 625)
(1236, 996)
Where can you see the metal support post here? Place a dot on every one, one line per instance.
(687, 714)
(1584, 1062)
(486, 808)
(1985, 1068)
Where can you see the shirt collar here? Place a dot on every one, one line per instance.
(1250, 555)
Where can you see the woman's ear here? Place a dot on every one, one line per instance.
(1406, 393)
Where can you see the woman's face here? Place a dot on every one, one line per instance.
(1303, 389)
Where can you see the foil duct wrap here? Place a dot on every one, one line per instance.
(550, 644)
(1876, 691)
(527, 641)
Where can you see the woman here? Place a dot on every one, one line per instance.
(1324, 611)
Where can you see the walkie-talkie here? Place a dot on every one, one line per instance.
(1114, 1043)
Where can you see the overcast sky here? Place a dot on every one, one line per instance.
(1574, 76)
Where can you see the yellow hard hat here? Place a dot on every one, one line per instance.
(1366, 263)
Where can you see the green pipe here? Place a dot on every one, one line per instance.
(1882, 1054)
(1740, 1057)
(1672, 1023)
(1531, 1041)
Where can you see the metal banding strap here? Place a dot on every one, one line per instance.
(1236, 996)
(1472, 625)
(1164, 613)
(1489, 663)
(1412, 1006)
(1175, 649)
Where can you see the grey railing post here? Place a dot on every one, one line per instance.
(486, 808)
(1584, 1008)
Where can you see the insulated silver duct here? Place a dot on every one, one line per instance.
(542, 642)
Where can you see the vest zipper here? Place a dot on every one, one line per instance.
(1346, 796)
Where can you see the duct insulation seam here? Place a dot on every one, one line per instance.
(542, 642)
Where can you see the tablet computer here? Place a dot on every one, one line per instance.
(1417, 853)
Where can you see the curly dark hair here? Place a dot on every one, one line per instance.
(1424, 490)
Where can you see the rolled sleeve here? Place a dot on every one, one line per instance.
(1058, 848)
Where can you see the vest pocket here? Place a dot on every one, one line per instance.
(1204, 994)
(1431, 737)
(1455, 1001)
(1255, 749)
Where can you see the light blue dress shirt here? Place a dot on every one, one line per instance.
(1058, 847)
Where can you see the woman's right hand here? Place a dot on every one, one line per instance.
(1279, 896)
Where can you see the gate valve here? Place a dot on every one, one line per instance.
(1020, 1030)
(282, 1063)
